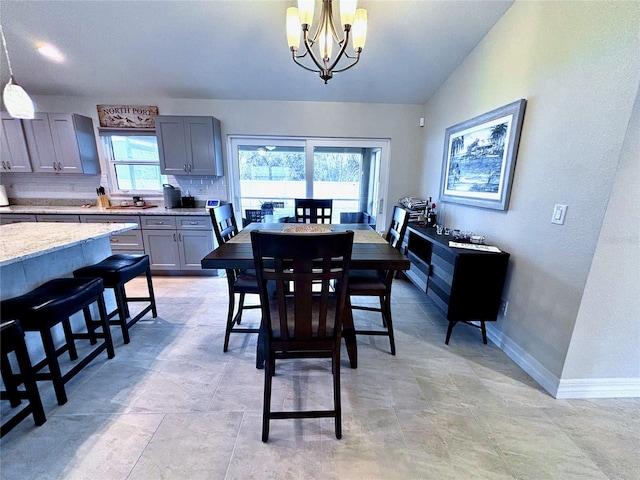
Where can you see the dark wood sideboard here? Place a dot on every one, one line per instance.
(466, 285)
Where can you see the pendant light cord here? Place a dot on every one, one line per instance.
(6, 52)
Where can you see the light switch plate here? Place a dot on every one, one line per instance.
(559, 212)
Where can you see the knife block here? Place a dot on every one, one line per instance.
(103, 201)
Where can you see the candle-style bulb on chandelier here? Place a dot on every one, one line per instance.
(16, 100)
(319, 46)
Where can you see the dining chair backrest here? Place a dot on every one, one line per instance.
(289, 267)
(224, 223)
(253, 215)
(398, 227)
(313, 210)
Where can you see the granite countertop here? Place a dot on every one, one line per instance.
(20, 241)
(95, 210)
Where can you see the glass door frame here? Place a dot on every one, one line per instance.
(309, 144)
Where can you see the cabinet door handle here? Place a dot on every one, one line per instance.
(179, 237)
(160, 223)
(60, 166)
(114, 240)
(190, 167)
(9, 165)
(174, 237)
(3, 164)
(185, 168)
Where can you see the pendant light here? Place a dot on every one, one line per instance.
(17, 101)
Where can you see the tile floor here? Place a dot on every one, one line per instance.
(171, 405)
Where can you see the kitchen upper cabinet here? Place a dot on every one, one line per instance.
(62, 143)
(14, 156)
(189, 145)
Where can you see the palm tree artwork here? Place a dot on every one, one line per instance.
(476, 159)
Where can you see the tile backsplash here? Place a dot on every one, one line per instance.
(68, 189)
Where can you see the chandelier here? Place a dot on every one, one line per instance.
(318, 48)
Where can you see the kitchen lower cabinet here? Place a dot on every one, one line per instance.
(126, 242)
(177, 243)
(62, 143)
(57, 218)
(14, 156)
(8, 218)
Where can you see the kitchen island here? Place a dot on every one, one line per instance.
(33, 253)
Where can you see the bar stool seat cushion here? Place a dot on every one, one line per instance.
(116, 269)
(52, 300)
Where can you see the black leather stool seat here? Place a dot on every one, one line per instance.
(115, 271)
(119, 268)
(12, 337)
(54, 302)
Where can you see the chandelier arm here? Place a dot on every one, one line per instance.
(308, 45)
(357, 59)
(295, 60)
(343, 47)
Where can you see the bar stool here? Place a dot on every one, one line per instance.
(12, 337)
(115, 271)
(52, 303)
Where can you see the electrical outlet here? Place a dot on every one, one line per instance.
(504, 305)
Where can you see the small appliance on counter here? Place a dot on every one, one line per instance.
(4, 198)
(188, 201)
(171, 196)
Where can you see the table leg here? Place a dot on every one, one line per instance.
(349, 334)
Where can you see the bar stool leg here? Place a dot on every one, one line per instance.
(68, 336)
(152, 297)
(104, 318)
(91, 331)
(28, 378)
(10, 382)
(123, 310)
(54, 366)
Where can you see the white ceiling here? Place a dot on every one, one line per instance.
(234, 49)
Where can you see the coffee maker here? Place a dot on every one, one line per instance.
(172, 196)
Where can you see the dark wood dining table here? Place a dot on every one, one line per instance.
(370, 252)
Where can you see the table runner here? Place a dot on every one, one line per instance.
(359, 236)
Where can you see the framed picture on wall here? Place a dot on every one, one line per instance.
(480, 157)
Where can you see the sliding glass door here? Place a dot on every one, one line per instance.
(276, 171)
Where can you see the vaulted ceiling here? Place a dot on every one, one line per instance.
(234, 49)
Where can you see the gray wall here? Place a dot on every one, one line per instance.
(305, 119)
(577, 64)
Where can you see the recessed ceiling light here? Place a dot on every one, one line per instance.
(51, 52)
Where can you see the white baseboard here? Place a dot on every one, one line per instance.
(599, 388)
(563, 388)
(535, 369)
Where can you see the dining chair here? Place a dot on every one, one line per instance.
(251, 215)
(242, 282)
(313, 210)
(372, 283)
(299, 320)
